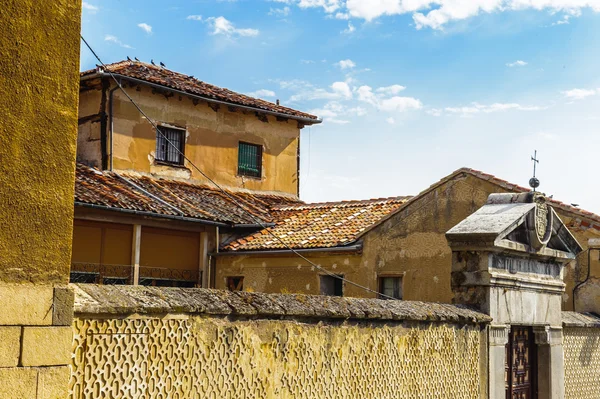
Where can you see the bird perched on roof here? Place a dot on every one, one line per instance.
(136, 58)
(152, 62)
(162, 65)
(575, 205)
(128, 59)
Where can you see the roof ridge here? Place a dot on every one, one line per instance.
(162, 76)
(346, 203)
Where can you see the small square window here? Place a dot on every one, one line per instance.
(249, 160)
(390, 287)
(332, 286)
(170, 145)
(235, 283)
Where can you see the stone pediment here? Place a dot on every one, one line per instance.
(522, 223)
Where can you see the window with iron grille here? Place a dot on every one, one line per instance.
(249, 160)
(390, 287)
(166, 152)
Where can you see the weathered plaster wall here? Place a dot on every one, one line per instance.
(581, 336)
(211, 144)
(289, 274)
(89, 135)
(411, 244)
(38, 104)
(174, 343)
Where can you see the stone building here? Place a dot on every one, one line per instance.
(395, 245)
(146, 215)
(143, 212)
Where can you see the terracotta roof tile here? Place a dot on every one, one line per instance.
(172, 198)
(188, 84)
(319, 225)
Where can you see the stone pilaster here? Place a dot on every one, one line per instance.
(551, 377)
(497, 340)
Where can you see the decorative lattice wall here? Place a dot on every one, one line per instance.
(201, 357)
(582, 362)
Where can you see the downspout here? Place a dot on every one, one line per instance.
(110, 122)
(589, 265)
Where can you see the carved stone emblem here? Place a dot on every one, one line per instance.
(541, 225)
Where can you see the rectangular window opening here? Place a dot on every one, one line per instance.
(332, 286)
(171, 153)
(235, 283)
(249, 160)
(390, 287)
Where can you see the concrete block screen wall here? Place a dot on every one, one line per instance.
(196, 343)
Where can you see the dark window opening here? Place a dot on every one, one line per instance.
(332, 286)
(235, 283)
(390, 287)
(249, 160)
(170, 153)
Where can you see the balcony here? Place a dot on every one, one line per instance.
(95, 273)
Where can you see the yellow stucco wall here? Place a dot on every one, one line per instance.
(189, 356)
(211, 143)
(411, 244)
(38, 104)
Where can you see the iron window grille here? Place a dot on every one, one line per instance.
(167, 153)
(249, 160)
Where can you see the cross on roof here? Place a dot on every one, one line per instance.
(534, 181)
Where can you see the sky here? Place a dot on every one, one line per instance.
(408, 90)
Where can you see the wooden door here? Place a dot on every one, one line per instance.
(521, 366)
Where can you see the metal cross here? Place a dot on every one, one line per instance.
(534, 182)
(535, 161)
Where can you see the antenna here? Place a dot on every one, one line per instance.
(534, 182)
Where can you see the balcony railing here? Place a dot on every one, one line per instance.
(95, 273)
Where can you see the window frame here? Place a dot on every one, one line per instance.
(238, 287)
(335, 281)
(162, 159)
(240, 171)
(399, 288)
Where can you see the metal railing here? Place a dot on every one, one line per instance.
(109, 274)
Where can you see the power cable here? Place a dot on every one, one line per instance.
(256, 219)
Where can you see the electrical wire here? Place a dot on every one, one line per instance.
(256, 219)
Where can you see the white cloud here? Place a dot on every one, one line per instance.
(342, 89)
(476, 108)
(518, 63)
(145, 27)
(346, 64)
(391, 104)
(328, 5)
(262, 93)
(222, 26)
(437, 13)
(580, 94)
(349, 29)
(334, 112)
(307, 61)
(114, 39)
(390, 120)
(280, 12)
(342, 15)
(391, 90)
(194, 17)
(89, 7)
(400, 104)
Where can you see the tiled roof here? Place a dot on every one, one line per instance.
(591, 219)
(188, 84)
(163, 197)
(319, 225)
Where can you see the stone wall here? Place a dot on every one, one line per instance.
(582, 355)
(195, 343)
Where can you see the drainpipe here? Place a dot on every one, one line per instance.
(110, 122)
(592, 244)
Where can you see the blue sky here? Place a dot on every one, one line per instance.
(409, 90)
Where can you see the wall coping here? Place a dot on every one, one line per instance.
(576, 319)
(92, 299)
